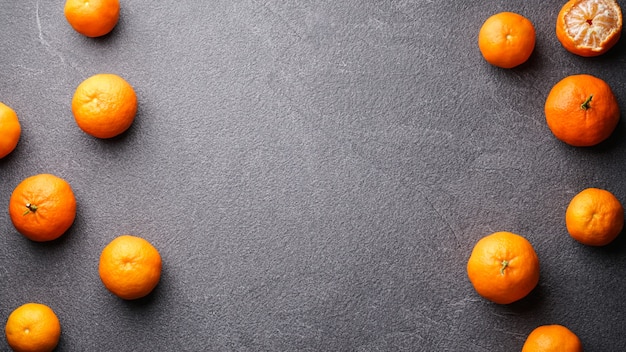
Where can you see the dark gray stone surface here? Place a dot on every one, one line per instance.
(314, 174)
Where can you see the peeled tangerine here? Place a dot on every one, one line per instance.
(589, 27)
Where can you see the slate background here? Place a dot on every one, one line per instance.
(314, 174)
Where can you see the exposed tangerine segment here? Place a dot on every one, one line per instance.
(591, 23)
(589, 27)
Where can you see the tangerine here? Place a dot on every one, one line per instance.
(104, 105)
(10, 130)
(42, 207)
(33, 327)
(92, 18)
(506, 39)
(130, 267)
(594, 217)
(589, 27)
(503, 267)
(581, 110)
(552, 338)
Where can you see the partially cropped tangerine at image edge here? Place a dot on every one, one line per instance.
(92, 18)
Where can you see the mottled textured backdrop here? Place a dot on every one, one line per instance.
(314, 174)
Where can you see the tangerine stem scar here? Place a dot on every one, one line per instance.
(31, 207)
(585, 105)
(505, 263)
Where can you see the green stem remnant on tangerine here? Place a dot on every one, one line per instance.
(585, 105)
(31, 207)
(505, 263)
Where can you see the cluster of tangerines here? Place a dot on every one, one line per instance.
(43, 207)
(581, 111)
